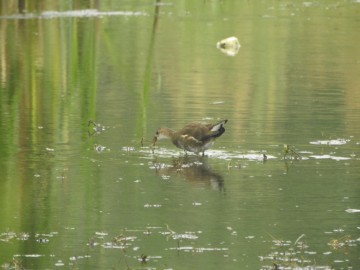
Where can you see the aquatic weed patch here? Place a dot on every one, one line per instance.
(298, 254)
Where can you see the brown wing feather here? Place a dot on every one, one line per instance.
(203, 132)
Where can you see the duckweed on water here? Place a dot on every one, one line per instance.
(284, 254)
(298, 255)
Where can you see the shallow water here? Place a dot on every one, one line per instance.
(99, 196)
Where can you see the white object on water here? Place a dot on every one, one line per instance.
(331, 142)
(229, 46)
(352, 210)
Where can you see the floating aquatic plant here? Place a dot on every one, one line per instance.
(96, 128)
(287, 254)
(289, 151)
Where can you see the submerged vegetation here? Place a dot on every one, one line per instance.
(290, 152)
(157, 246)
(299, 255)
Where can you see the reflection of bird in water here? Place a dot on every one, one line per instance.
(193, 169)
(194, 137)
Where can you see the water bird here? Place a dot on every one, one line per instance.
(195, 137)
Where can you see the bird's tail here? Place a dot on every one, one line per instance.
(218, 128)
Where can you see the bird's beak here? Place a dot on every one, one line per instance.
(154, 140)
